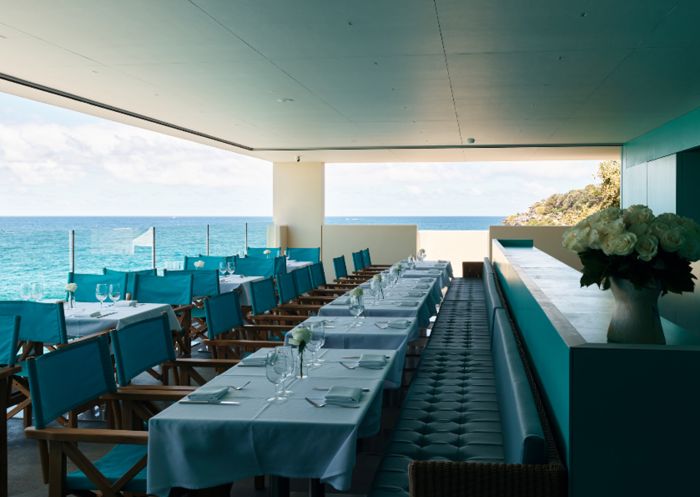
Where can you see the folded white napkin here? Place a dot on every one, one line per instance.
(372, 361)
(408, 303)
(399, 323)
(343, 395)
(126, 303)
(86, 315)
(341, 301)
(208, 394)
(253, 362)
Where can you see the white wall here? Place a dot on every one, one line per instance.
(386, 243)
(455, 246)
(298, 201)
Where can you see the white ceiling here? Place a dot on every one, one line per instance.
(371, 80)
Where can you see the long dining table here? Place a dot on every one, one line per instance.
(199, 446)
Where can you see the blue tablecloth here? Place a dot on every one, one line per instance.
(200, 445)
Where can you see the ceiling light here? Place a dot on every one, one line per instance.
(471, 141)
(285, 100)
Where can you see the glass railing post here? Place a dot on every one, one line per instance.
(71, 250)
(207, 239)
(246, 238)
(153, 248)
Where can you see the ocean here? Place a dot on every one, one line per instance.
(35, 249)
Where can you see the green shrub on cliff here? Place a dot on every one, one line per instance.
(566, 209)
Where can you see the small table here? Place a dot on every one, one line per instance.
(5, 380)
(203, 445)
(79, 321)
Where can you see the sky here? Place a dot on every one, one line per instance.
(59, 162)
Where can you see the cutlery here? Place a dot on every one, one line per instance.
(322, 403)
(218, 402)
(240, 387)
(325, 389)
(106, 314)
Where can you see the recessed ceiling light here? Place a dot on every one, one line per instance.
(583, 14)
(471, 141)
(285, 100)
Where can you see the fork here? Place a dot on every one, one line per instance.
(240, 387)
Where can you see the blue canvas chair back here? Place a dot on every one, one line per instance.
(304, 254)
(9, 339)
(223, 313)
(259, 252)
(318, 275)
(341, 270)
(39, 321)
(302, 280)
(205, 282)
(262, 296)
(253, 266)
(357, 261)
(286, 289)
(366, 259)
(280, 265)
(130, 277)
(140, 346)
(173, 289)
(88, 282)
(69, 377)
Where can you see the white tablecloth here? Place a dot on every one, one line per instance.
(292, 265)
(78, 322)
(200, 445)
(233, 281)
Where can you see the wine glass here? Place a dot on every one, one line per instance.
(231, 267)
(318, 340)
(25, 291)
(37, 291)
(288, 352)
(101, 292)
(276, 371)
(223, 269)
(115, 292)
(357, 307)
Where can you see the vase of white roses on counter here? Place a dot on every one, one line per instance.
(638, 256)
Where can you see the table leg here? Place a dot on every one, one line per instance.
(278, 487)
(316, 488)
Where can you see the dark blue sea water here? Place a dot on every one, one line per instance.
(35, 249)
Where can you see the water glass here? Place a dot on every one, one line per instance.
(115, 293)
(223, 269)
(230, 267)
(318, 340)
(276, 371)
(357, 307)
(288, 352)
(37, 291)
(101, 292)
(25, 291)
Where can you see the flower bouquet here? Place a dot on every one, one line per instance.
(300, 337)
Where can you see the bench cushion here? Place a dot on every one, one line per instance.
(522, 430)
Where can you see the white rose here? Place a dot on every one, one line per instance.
(569, 240)
(71, 287)
(691, 245)
(609, 214)
(622, 244)
(300, 336)
(638, 229)
(671, 240)
(377, 277)
(592, 237)
(199, 264)
(612, 227)
(266, 252)
(638, 214)
(647, 247)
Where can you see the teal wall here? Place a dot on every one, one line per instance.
(680, 134)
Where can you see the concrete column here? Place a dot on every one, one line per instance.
(298, 201)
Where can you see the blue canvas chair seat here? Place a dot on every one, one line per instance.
(260, 252)
(130, 277)
(113, 465)
(304, 254)
(60, 381)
